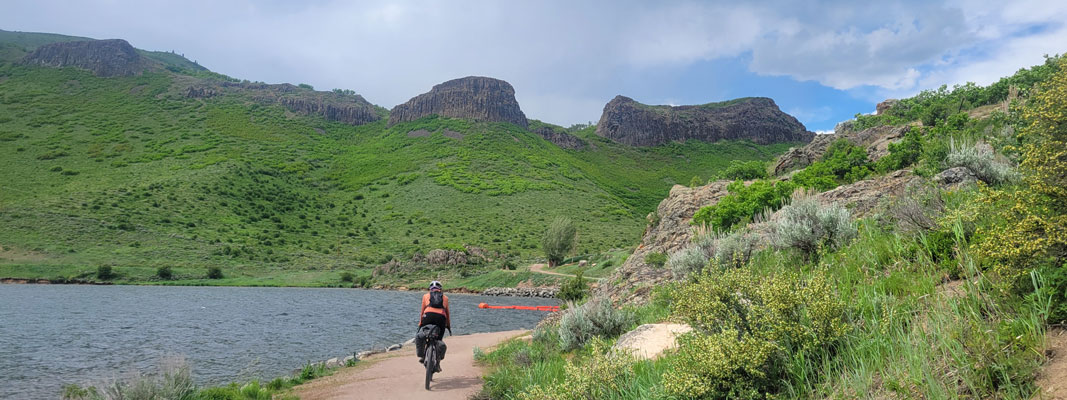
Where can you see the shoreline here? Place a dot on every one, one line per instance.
(539, 292)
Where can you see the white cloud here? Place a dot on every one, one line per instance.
(566, 59)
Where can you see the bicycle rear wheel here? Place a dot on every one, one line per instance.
(430, 361)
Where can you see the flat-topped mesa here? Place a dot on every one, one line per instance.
(474, 97)
(113, 57)
(753, 118)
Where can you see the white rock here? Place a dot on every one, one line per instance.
(394, 347)
(648, 341)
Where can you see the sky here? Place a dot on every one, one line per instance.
(823, 62)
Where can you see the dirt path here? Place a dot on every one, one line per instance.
(540, 268)
(398, 375)
(1052, 379)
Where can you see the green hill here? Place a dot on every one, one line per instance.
(133, 173)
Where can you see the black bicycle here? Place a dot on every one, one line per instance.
(431, 361)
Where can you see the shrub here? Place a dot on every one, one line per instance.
(735, 248)
(656, 259)
(104, 272)
(214, 273)
(558, 240)
(174, 382)
(743, 203)
(807, 225)
(347, 276)
(596, 317)
(842, 163)
(979, 158)
(748, 328)
(164, 272)
(687, 261)
(573, 290)
(601, 376)
(904, 153)
(745, 170)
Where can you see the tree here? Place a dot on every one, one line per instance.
(559, 240)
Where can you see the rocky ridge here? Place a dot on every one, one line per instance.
(753, 118)
(561, 139)
(351, 109)
(105, 58)
(876, 140)
(474, 97)
(669, 230)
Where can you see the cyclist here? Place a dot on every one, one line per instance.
(434, 318)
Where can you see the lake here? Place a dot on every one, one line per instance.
(51, 335)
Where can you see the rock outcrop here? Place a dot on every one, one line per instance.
(474, 97)
(884, 106)
(876, 140)
(114, 57)
(668, 231)
(561, 139)
(351, 109)
(753, 118)
(862, 197)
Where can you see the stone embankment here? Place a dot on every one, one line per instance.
(337, 362)
(521, 292)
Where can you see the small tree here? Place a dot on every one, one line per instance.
(104, 272)
(573, 290)
(559, 240)
(164, 273)
(214, 273)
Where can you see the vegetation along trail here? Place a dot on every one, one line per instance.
(396, 375)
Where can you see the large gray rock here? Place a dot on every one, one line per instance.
(954, 177)
(752, 118)
(474, 97)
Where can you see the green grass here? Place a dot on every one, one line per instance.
(129, 172)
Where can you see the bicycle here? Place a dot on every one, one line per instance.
(431, 361)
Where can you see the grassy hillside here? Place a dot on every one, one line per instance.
(129, 172)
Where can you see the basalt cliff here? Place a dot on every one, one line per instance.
(752, 118)
(474, 97)
(114, 57)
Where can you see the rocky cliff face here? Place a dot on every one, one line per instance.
(755, 118)
(113, 57)
(474, 97)
(561, 139)
(348, 108)
(876, 140)
(668, 231)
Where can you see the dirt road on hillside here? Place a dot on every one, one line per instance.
(540, 269)
(398, 375)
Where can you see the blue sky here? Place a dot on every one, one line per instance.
(822, 61)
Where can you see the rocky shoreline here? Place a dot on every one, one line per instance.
(545, 292)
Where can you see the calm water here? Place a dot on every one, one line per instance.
(56, 334)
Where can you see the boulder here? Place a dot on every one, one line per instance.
(363, 355)
(884, 106)
(649, 341)
(474, 97)
(752, 118)
(955, 177)
(863, 196)
(347, 360)
(394, 347)
(333, 363)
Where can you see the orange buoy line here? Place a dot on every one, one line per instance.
(531, 308)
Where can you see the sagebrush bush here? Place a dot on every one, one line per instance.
(597, 317)
(748, 327)
(736, 248)
(979, 159)
(684, 262)
(175, 382)
(807, 225)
